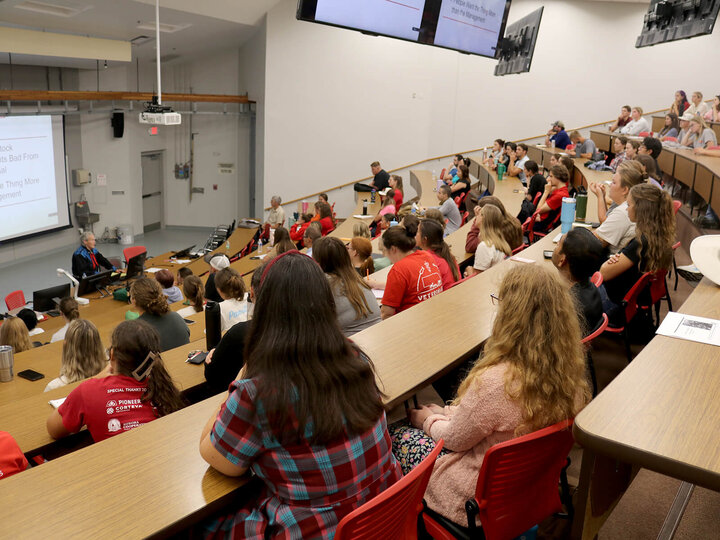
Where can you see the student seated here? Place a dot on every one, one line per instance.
(713, 114)
(699, 135)
(282, 241)
(619, 145)
(362, 230)
(298, 229)
(452, 169)
(429, 238)
(414, 276)
(388, 207)
(578, 256)
(492, 247)
(224, 362)
(535, 188)
(650, 146)
(14, 333)
(532, 374)
(70, 311)
(584, 148)
(29, 317)
(323, 211)
(181, 275)
(195, 293)
(647, 165)
(396, 184)
(680, 104)
(12, 460)
(83, 354)
(217, 263)
(234, 307)
(495, 154)
(698, 106)
(650, 250)
(511, 227)
(516, 162)
(449, 210)
(134, 389)
(637, 123)
(623, 119)
(557, 135)
(167, 282)
(462, 184)
(355, 304)
(146, 295)
(360, 251)
(616, 229)
(550, 203)
(307, 417)
(671, 127)
(312, 233)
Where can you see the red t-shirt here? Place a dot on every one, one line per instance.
(398, 198)
(107, 406)
(554, 200)
(327, 225)
(411, 280)
(12, 460)
(445, 272)
(298, 230)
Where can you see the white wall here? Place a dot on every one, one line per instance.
(336, 100)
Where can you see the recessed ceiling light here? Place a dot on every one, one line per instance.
(58, 10)
(164, 27)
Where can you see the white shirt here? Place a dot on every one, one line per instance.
(276, 216)
(635, 127)
(617, 230)
(233, 311)
(698, 109)
(520, 164)
(187, 311)
(487, 256)
(60, 334)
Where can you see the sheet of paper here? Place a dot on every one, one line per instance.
(57, 402)
(153, 270)
(557, 238)
(378, 293)
(360, 216)
(180, 261)
(690, 327)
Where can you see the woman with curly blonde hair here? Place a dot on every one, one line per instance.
(532, 375)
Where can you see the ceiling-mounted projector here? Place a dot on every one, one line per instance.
(157, 114)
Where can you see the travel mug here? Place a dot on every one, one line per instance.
(581, 206)
(567, 214)
(501, 171)
(6, 363)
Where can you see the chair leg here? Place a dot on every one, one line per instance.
(565, 495)
(626, 337)
(667, 292)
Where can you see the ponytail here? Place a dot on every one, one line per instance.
(195, 292)
(230, 283)
(136, 353)
(149, 297)
(432, 232)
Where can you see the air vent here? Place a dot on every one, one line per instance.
(57, 10)
(164, 27)
(141, 40)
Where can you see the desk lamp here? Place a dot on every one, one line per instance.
(61, 272)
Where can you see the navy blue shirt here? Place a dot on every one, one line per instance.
(562, 139)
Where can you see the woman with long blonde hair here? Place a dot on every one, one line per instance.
(83, 354)
(492, 247)
(651, 209)
(13, 332)
(532, 374)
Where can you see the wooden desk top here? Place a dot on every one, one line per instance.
(111, 488)
(662, 411)
(25, 417)
(237, 242)
(345, 229)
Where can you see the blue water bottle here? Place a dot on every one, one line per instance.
(567, 214)
(372, 197)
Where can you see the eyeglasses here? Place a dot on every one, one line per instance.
(495, 299)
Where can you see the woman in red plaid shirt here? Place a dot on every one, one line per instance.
(306, 415)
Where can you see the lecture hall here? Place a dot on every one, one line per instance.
(220, 219)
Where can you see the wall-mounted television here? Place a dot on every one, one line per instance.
(468, 26)
(670, 20)
(516, 49)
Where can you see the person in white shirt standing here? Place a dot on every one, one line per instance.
(637, 125)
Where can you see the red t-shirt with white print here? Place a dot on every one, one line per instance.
(411, 280)
(107, 406)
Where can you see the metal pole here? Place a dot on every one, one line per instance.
(157, 49)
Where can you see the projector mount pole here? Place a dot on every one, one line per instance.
(157, 50)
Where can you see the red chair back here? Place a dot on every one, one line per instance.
(599, 330)
(537, 198)
(459, 281)
(658, 288)
(673, 139)
(15, 300)
(644, 134)
(519, 248)
(133, 251)
(631, 298)
(394, 513)
(442, 174)
(518, 483)
(597, 279)
(465, 217)
(716, 147)
(676, 206)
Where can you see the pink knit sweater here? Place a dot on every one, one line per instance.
(484, 417)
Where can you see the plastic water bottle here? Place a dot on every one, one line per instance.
(372, 197)
(227, 245)
(365, 207)
(260, 246)
(414, 208)
(567, 214)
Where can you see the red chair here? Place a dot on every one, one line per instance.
(527, 227)
(464, 218)
(459, 281)
(586, 341)
(394, 513)
(133, 251)
(15, 300)
(644, 134)
(459, 199)
(519, 249)
(676, 206)
(658, 293)
(517, 487)
(630, 308)
(673, 139)
(442, 174)
(675, 246)
(597, 279)
(716, 147)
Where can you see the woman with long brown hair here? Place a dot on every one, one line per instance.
(195, 293)
(13, 332)
(492, 247)
(69, 310)
(360, 251)
(135, 389)
(511, 226)
(147, 296)
(396, 184)
(83, 354)
(355, 304)
(307, 417)
(531, 375)
(429, 237)
(282, 241)
(651, 210)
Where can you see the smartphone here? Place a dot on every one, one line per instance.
(31, 375)
(189, 321)
(547, 254)
(196, 357)
(595, 224)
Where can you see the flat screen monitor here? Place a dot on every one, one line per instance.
(45, 299)
(518, 46)
(93, 283)
(136, 266)
(670, 20)
(468, 26)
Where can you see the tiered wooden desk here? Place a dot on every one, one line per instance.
(661, 413)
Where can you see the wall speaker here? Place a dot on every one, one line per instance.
(118, 124)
